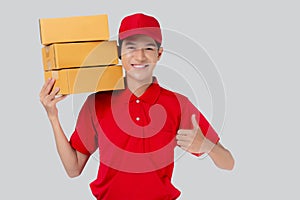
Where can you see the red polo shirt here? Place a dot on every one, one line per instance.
(136, 140)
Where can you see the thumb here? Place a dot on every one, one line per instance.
(194, 122)
(62, 97)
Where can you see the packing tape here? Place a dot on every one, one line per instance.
(47, 50)
(55, 74)
(49, 64)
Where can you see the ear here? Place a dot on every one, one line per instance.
(160, 51)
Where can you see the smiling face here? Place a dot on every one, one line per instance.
(140, 54)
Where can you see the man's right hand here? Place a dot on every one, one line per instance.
(73, 160)
(49, 98)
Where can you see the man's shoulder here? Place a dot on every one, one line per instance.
(101, 95)
(167, 93)
(104, 93)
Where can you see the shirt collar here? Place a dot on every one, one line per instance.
(150, 96)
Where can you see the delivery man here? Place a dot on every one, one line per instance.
(135, 129)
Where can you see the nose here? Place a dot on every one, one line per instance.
(139, 54)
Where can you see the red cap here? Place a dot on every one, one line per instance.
(140, 24)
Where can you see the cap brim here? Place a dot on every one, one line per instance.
(152, 32)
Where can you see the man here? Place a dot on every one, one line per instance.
(135, 129)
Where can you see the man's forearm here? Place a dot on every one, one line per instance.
(67, 153)
(221, 157)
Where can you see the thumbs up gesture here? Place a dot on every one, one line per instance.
(193, 140)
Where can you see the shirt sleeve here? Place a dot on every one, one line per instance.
(187, 110)
(84, 138)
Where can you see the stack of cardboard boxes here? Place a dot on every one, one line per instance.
(78, 55)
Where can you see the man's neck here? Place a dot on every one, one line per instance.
(136, 87)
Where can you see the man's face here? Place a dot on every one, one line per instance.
(139, 57)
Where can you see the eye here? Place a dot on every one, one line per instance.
(150, 49)
(130, 47)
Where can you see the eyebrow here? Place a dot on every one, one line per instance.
(129, 43)
(134, 43)
(151, 44)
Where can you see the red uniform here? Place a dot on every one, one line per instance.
(136, 140)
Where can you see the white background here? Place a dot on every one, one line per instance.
(255, 46)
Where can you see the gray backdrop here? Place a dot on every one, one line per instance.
(253, 47)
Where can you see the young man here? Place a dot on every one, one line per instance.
(135, 129)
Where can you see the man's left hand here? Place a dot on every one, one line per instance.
(192, 140)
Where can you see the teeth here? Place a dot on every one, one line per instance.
(139, 66)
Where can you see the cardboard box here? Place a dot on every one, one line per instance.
(93, 79)
(80, 54)
(74, 29)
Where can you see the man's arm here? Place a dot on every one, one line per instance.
(221, 156)
(193, 141)
(73, 161)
